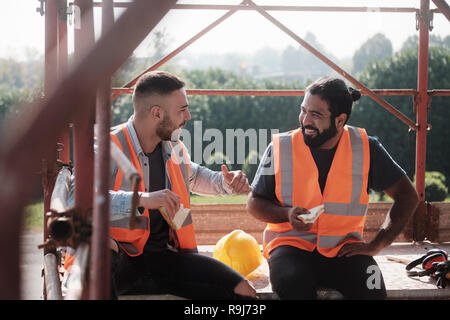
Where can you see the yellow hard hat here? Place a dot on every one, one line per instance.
(240, 251)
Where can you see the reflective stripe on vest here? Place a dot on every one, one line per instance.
(345, 195)
(268, 235)
(333, 241)
(177, 172)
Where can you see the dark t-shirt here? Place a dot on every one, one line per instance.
(159, 229)
(383, 171)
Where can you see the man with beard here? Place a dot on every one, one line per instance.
(330, 165)
(153, 256)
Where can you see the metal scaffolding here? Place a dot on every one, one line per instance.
(73, 99)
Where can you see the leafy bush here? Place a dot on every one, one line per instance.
(216, 160)
(435, 188)
(251, 165)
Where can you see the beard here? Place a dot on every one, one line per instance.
(320, 138)
(168, 131)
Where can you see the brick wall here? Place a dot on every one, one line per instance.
(213, 221)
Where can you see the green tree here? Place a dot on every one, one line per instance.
(216, 160)
(12, 73)
(400, 72)
(251, 165)
(13, 102)
(265, 61)
(435, 188)
(290, 60)
(375, 48)
(156, 45)
(20, 83)
(412, 42)
(240, 112)
(301, 65)
(446, 41)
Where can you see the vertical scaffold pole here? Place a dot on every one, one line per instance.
(100, 257)
(422, 97)
(50, 81)
(420, 219)
(84, 40)
(84, 122)
(63, 57)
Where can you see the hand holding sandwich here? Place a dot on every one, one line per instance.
(162, 198)
(302, 219)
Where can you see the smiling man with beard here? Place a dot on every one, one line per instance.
(153, 256)
(327, 163)
(155, 253)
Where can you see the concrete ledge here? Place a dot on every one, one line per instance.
(213, 221)
(323, 294)
(419, 294)
(398, 285)
(406, 294)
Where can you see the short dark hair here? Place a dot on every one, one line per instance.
(157, 82)
(336, 93)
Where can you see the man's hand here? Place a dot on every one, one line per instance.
(364, 248)
(162, 198)
(296, 223)
(237, 180)
(405, 203)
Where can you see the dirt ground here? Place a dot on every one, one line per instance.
(31, 265)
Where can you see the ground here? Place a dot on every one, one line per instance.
(398, 284)
(31, 265)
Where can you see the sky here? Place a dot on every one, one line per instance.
(22, 28)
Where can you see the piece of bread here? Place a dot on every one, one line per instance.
(177, 222)
(313, 214)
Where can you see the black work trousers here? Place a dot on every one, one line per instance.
(297, 274)
(189, 275)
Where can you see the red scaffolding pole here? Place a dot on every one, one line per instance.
(422, 97)
(443, 7)
(84, 121)
(50, 81)
(100, 262)
(296, 93)
(63, 64)
(422, 100)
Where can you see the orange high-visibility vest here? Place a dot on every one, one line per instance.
(69, 257)
(345, 194)
(177, 170)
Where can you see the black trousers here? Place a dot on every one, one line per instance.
(188, 275)
(297, 274)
